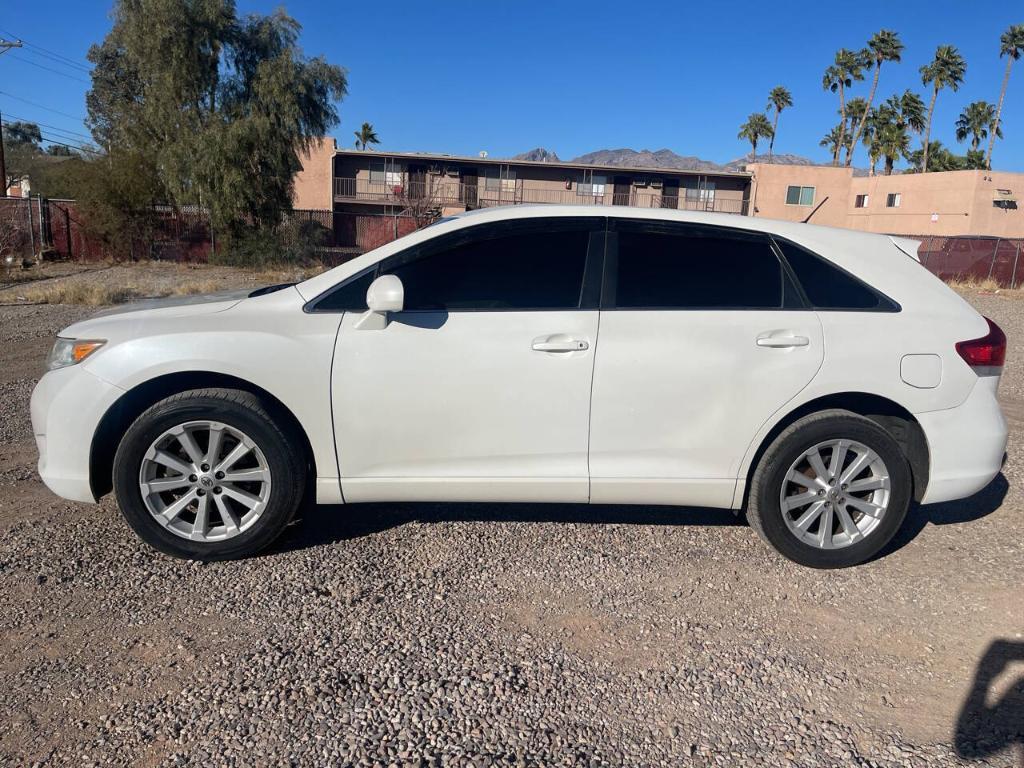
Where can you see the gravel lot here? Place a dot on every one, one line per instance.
(475, 635)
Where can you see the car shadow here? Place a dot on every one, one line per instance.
(984, 728)
(327, 524)
(983, 503)
(317, 525)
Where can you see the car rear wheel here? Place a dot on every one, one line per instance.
(208, 475)
(831, 490)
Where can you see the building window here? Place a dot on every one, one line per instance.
(800, 196)
(501, 179)
(591, 185)
(385, 173)
(892, 200)
(699, 193)
(861, 201)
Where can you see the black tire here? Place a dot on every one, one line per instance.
(243, 411)
(764, 510)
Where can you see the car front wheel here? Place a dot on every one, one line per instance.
(831, 490)
(208, 475)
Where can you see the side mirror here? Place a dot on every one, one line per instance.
(385, 294)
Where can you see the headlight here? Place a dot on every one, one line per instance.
(67, 352)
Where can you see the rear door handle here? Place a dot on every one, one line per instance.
(780, 341)
(559, 342)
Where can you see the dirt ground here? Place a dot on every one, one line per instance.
(640, 636)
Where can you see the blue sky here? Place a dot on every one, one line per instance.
(462, 76)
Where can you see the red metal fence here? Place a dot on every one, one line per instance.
(974, 258)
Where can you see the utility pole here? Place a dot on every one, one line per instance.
(5, 46)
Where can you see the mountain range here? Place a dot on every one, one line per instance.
(662, 158)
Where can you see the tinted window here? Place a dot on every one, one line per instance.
(691, 268)
(508, 266)
(827, 286)
(350, 295)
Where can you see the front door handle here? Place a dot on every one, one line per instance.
(559, 342)
(782, 341)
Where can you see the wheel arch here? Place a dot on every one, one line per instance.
(888, 414)
(123, 413)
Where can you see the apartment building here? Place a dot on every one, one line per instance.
(364, 184)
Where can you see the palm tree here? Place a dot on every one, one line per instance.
(778, 99)
(1011, 45)
(907, 110)
(977, 119)
(946, 70)
(893, 143)
(756, 128)
(832, 140)
(840, 75)
(856, 110)
(366, 135)
(884, 45)
(870, 138)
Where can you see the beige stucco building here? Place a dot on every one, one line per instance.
(926, 204)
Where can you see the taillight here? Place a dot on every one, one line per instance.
(987, 352)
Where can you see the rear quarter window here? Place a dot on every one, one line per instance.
(829, 287)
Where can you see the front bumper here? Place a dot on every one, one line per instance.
(67, 405)
(966, 444)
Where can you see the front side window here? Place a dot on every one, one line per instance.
(680, 267)
(799, 195)
(861, 201)
(536, 265)
(829, 287)
(892, 200)
(698, 191)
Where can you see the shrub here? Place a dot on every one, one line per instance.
(295, 243)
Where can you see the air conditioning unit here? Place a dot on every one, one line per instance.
(639, 182)
(453, 171)
(655, 185)
(436, 170)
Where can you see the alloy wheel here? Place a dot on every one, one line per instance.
(835, 494)
(205, 481)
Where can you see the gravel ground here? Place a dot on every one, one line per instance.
(471, 635)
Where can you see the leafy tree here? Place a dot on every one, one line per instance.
(939, 159)
(847, 68)
(884, 45)
(779, 99)
(1011, 45)
(366, 135)
(22, 133)
(59, 150)
(756, 128)
(946, 70)
(977, 119)
(218, 108)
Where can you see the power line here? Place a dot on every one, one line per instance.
(51, 69)
(50, 54)
(58, 61)
(40, 106)
(49, 140)
(53, 127)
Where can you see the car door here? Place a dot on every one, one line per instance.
(703, 337)
(479, 389)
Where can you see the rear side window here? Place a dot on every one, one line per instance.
(508, 267)
(829, 287)
(681, 267)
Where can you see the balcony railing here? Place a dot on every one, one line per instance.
(442, 192)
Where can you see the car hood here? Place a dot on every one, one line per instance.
(140, 313)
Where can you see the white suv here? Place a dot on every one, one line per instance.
(819, 378)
